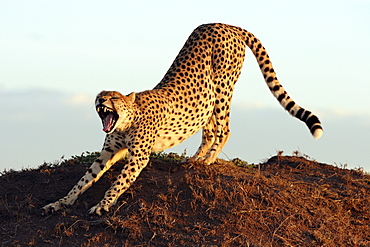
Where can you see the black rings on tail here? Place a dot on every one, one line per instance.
(312, 121)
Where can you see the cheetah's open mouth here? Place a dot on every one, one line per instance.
(108, 117)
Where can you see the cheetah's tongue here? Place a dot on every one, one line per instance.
(108, 123)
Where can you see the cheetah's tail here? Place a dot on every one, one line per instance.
(311, 120)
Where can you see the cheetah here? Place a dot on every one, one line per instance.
(194, 94)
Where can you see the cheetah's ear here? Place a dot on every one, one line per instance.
(130, 98)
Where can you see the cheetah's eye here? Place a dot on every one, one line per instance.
(115, 98)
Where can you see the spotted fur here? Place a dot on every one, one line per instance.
(194, 94)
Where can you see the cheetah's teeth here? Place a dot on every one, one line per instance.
(105, 109)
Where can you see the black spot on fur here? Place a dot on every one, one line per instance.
(281, 97)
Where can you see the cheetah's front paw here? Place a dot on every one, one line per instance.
(51, 208)
(97, 209)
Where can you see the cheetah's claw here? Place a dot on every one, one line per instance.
(97, 209)
(51, 208)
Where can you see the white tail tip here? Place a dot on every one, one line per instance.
(317, 134)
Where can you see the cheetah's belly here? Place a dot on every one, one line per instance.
(166, 139)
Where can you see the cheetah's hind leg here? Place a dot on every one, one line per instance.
(208, 138)
(216, 136)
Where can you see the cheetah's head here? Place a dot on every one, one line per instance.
(112, 108)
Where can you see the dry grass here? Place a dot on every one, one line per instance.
(286, 201)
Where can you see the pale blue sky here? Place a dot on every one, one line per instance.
(60, 54)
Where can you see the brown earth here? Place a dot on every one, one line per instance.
(286, 201)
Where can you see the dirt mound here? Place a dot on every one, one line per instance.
(287, 201)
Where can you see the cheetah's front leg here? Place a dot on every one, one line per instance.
(96, 170)
(128, 175)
